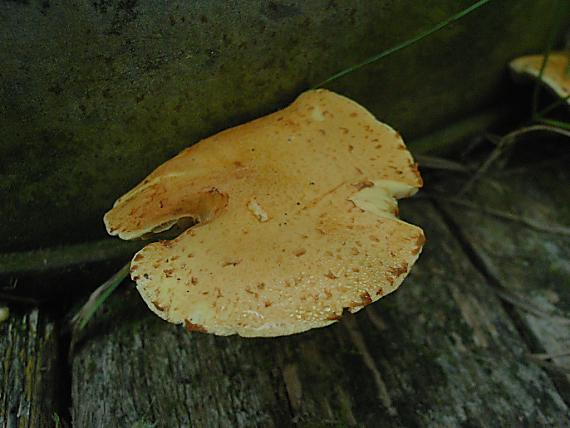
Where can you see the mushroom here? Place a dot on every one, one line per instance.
(555, 74)
(295, 221)
(4, 313)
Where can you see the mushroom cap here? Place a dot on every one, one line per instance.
(555, 72)
(297, 221)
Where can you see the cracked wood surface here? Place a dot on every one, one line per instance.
(29, 375)
(440, 351)
(530, 268)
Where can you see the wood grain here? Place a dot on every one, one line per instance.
(529, 268)
(440, 351)
(30, 375)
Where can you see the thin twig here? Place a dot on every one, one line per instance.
(540, 164)
(505, 143)
(546, 356)
(434, 162)
(560, 368)
(527, 305)
(493, 138)
(535, 224)
(405, 44)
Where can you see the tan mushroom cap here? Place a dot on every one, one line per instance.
(554, 74)
(297, 221)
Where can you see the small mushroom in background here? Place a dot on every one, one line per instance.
(4, 313)
(555, 74)
(295, 221)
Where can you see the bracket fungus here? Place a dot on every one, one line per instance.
(555, 74)
(295, 221)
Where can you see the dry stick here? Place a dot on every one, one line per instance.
(434, 162)
(546, 356)
(527, 305)
(503, 293)
(540, 164)
(505, 143)
(535, 224)
(560, 368)
(495, 139)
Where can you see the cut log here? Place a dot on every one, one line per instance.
(30, 379)
(440, 351)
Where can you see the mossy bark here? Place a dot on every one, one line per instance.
(30, 377)
(95, 94)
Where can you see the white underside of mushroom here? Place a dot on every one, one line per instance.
(382, 198)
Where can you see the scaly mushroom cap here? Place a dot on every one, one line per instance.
(554, 74)
(296, 216)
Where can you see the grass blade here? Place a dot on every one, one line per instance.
(556, 124)
(97, 298)
(552, 106)
(406, 43)
(557, 14)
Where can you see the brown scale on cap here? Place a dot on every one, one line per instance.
(194, 327)
(321, 236)
(158, 306)
(365, 300)
(420, 241)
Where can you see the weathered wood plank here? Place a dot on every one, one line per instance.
(440, 351)
(30, 373)
(531, 266)
(136, 369)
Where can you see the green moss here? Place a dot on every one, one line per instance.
(89, 111)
